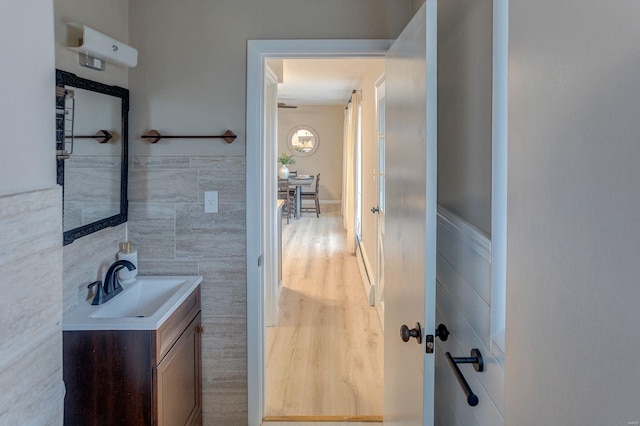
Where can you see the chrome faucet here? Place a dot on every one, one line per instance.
(111, 286)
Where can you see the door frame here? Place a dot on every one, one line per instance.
(258, 168)
(380, 87)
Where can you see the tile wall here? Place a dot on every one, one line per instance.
(86, 260)
(31, 308)
(173, 236)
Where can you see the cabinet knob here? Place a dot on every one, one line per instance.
(199, 329)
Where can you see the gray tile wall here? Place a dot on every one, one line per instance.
(31, 308)
(174, 236)
(86, 260)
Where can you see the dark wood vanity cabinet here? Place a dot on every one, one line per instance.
(177, 381)
(136, 377)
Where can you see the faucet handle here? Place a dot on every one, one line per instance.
(99, 296)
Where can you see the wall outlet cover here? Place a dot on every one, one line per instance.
(211, 201)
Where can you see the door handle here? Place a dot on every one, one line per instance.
(375, 209)
(406, 333)
(442, 332)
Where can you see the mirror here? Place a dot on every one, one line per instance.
(92, 138)
(303, 141)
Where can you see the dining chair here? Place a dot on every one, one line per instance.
(292, 188)
(285, 194)
(312, 196)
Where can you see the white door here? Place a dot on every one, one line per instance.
(410, 221)
(380, 208)
(272, 261)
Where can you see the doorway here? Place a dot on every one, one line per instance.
(261, 197)
(324, 346)
(380, 208)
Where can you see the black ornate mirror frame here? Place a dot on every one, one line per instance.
(64, 78)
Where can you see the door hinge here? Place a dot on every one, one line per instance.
(259, 261)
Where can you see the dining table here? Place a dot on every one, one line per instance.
(299, 182)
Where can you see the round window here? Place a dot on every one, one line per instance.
(303, 141)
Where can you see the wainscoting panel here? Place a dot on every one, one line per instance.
(475, 309)
(463, 295)
(468, 249)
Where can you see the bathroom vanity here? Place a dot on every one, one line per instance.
(136, 361)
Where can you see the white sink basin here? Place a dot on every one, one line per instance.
(141, 299)
(143, 305)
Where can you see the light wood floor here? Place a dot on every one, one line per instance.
(325, 356)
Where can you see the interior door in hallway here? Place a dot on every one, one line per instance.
(380, 208)
(410, 239)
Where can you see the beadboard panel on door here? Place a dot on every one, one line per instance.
(463, 297)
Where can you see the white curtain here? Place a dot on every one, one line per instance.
(349, 169)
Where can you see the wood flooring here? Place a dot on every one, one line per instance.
(325, 356)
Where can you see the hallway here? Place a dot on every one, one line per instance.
(325, 357)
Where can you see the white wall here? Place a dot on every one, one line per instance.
(573, 201)
(28, 135)
(30, 220)
(328, 122)
(464, 109)
(191, 75)
(416, 4)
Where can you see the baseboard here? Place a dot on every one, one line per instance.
(365, 274)
(332, 419)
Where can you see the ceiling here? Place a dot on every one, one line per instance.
(320, 81)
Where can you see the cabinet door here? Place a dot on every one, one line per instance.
(178, 380)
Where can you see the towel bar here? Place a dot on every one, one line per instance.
(155, 136)
(478, 365)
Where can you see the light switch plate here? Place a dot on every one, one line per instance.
(211, 201)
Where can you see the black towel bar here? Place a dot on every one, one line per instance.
(478, 365)
(103, 136)
(154, 136)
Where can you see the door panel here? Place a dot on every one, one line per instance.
(381, 183)
(410, 219)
